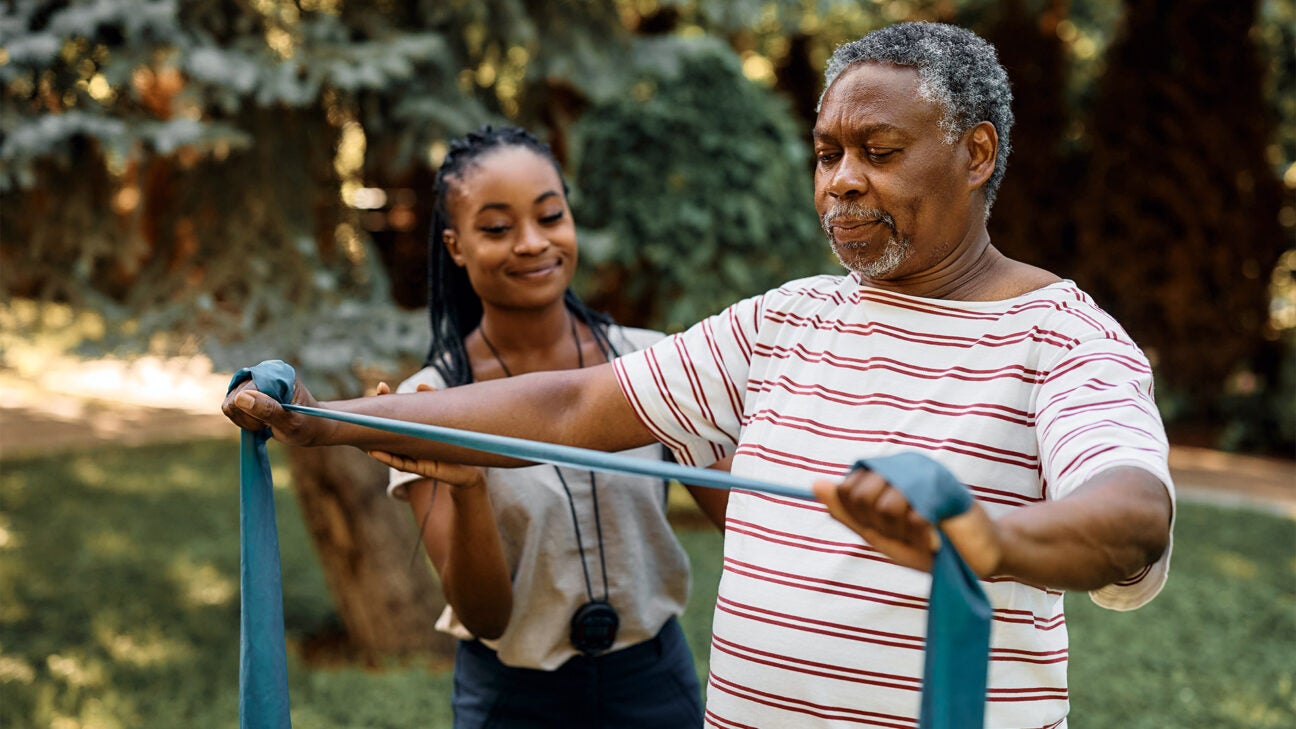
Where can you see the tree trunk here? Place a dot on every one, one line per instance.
(385, 592)
(1179, 217)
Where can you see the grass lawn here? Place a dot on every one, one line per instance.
(119, 608)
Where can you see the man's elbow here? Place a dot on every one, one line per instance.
(1150, 519)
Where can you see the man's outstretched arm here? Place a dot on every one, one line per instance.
(1111, 527)
(583, 408)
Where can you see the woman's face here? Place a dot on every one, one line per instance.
(511, 229)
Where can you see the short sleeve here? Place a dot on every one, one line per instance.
(688, 389)
(632, 339)
(1096, 411)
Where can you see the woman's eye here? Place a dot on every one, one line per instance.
(493, 229)
(551, 218)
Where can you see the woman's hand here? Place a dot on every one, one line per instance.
(455, 474)
(461, 537)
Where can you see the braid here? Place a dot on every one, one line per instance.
(453, 307)
(597, 321)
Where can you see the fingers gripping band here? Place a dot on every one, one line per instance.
(958, 614)
(958, 620)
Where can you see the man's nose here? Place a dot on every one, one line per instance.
(849, 179)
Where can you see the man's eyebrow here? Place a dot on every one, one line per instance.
(864, 132)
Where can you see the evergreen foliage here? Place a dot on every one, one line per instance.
(696, 189)
(181, 167)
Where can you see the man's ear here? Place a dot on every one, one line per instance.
(451, 240)
(983, 146)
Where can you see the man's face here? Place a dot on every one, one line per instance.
(893, 196)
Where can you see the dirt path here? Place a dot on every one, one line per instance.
(75, 404)
(1230, 479)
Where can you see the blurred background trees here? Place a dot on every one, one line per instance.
(251, 179)
(244, 173)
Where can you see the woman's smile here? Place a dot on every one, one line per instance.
(536, 270)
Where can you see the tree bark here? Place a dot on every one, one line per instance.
(385, 592)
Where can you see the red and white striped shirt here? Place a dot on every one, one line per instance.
(1023, 400)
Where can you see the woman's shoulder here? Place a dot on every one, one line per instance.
(426, 376)
(633, 339)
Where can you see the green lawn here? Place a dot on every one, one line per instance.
(119, 608)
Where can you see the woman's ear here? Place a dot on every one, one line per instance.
(451, 240)
(983, 147)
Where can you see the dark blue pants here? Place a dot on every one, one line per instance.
(651, 685)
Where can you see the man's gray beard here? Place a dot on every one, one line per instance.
(894, 253)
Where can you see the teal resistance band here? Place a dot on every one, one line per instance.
(560, 455)
(958, 616)
(958, 613)
(263, 666)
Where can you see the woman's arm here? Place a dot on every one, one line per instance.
(458, 529)
(713, 503)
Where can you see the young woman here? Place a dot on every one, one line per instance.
(563, 585)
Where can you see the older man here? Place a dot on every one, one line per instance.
(934, 341)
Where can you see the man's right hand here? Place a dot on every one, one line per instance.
(250, 409)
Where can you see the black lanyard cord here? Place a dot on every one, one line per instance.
(571, 501)
(598, 525)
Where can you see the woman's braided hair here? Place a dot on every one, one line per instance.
(453, 306)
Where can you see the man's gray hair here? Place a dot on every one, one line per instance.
(957, 70)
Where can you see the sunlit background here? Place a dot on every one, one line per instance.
(188, 187)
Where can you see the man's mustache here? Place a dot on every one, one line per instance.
(854, 212)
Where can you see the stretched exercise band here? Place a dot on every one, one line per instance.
(958, 616)
(559, 455)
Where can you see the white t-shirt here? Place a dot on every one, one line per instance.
(1023, 400)
(647, 569)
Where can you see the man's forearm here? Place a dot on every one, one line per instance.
(1108, 530)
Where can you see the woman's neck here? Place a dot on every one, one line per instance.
(514, 342)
